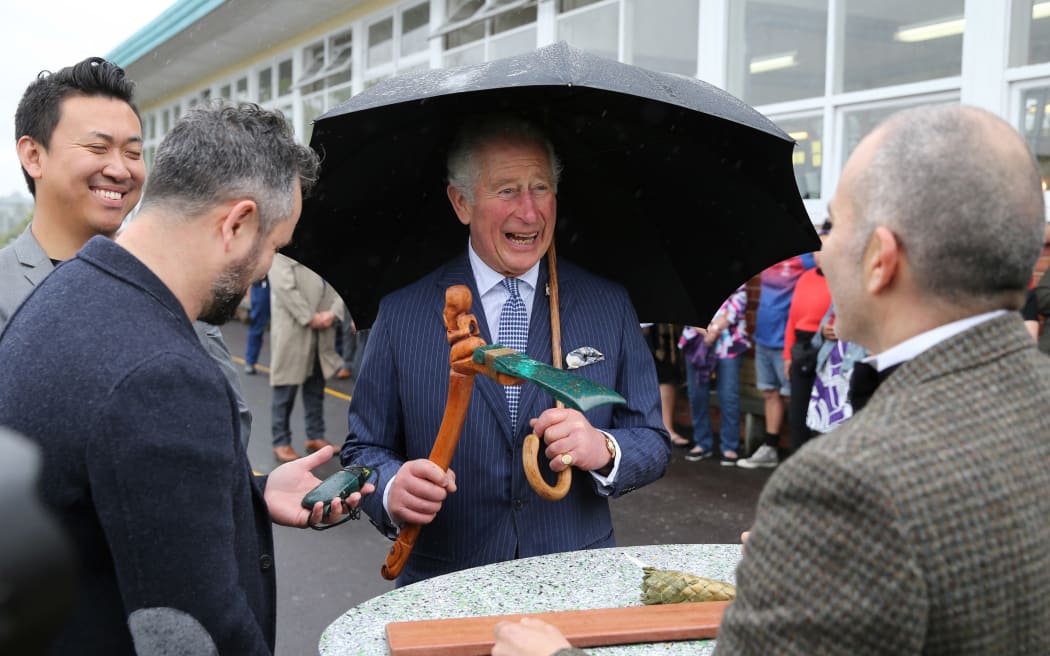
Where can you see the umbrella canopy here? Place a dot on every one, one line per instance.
(672, 187)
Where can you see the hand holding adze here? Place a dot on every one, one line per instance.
(469, 356)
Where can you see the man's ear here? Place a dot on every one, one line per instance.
(29, 154)
(240, 222)
(882, 260)
(460, 204)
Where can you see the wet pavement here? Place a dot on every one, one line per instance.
(320, 574)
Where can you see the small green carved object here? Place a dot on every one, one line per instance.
(572, 390)
(341, 484)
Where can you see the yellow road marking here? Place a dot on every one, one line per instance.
(336, 393)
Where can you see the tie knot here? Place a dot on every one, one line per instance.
(511, 285)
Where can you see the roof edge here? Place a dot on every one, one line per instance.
(173, 20)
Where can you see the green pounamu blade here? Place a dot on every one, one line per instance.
(572, 390)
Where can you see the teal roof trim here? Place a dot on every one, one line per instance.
(175, 19)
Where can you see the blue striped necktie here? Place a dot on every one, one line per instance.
(513, 333)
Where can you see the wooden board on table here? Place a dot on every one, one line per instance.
(472, 636)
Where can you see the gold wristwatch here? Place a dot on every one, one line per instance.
(611, 446)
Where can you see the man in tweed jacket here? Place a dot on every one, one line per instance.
(922, 525)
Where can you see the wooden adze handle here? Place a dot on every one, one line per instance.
(462, 329)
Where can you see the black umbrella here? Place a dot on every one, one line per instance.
(672, 187)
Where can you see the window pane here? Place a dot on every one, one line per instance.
(1030, 33)
(242, 89)
(860, 122)
(808, 157)
(1035, 126)
(472, 55)
(381, 42)
(901, 41)
(340, 53)
(514, 43)
(596, 31)
(664, 35)
(224, 91)
(313, 59)
(265, 85)
(415, 27)
(151, 132)
(465, 35)
(511, 19)
(339, 96)
(313, 107)
(284, 77)
(165, 121)
(569, 5)
(781, 52)
(458, 10)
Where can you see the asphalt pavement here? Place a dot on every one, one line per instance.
(321, 574)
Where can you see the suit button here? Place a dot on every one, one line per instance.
(518, 504)
(265, 562)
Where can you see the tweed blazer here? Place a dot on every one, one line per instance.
(23, 264)
(495, 515)
(922, 525)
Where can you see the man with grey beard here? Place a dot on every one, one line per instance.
(142, 455)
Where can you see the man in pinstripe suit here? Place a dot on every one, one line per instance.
(922, 525)
(503, 177)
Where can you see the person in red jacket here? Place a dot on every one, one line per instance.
(808, 307)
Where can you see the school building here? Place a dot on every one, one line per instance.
(826, 71)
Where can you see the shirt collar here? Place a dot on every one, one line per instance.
(486, 277)
(913, 346)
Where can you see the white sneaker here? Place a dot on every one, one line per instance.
(766, 456)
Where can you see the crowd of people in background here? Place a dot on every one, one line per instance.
(151, 410)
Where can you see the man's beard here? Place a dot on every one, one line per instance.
(229, 288)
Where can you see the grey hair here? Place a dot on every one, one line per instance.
(220, 152)
(463, 169)
(961, 191)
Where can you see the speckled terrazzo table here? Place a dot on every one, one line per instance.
(599, 578)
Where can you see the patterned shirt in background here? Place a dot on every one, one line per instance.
(733, 341)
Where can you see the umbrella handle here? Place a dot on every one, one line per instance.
(532, 443)
(532, 472)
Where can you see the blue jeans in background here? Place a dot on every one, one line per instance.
(260, 316)
(728, 383)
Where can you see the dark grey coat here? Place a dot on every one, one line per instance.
(142, 459)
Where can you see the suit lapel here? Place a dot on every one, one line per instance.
(35, 263)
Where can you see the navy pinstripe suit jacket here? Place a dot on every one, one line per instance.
(495, 516)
